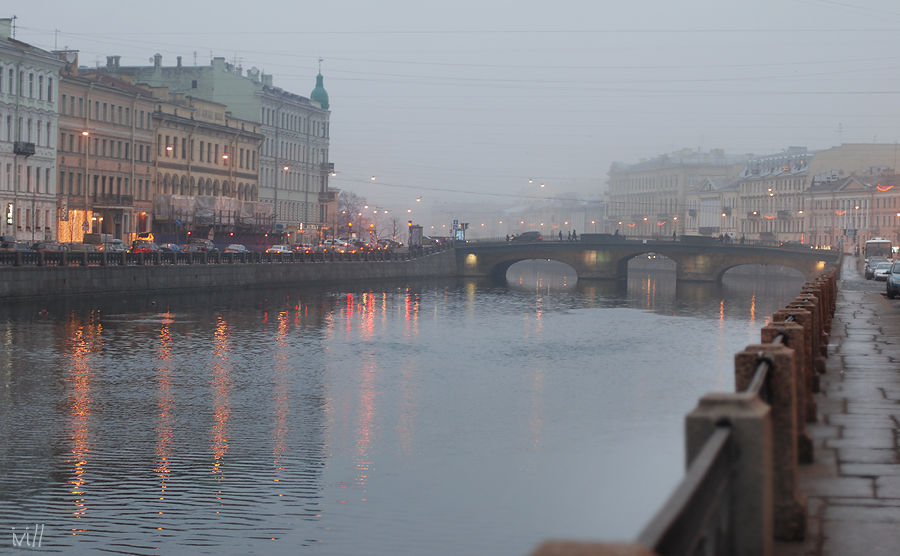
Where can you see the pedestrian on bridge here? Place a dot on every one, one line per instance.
(560, 235)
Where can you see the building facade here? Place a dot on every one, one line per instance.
(29, 79)
(649, 198)
(206, 168)
(854, 209)
(105, 155)
(294, 165)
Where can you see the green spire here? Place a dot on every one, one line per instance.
(319, 94)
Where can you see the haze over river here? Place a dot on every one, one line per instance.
(433, 418)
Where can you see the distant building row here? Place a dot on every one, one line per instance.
(850, 192)
(123, 150)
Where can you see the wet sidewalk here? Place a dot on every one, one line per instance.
(853, 488)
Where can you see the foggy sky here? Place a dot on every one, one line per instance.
(441, 100)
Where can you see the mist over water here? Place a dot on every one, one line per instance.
(452, 417)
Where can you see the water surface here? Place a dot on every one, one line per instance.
(439, 418)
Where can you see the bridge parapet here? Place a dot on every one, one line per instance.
(608, 258)
(740, 491)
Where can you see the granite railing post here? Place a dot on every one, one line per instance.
(810, 303)
(795, 338)
(807, 362)
(752, 493)
(789, 503)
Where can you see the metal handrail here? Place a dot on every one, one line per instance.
(694, 519)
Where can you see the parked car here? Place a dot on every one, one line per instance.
(237, 248)
(893, 281)
(528, 236)
(143, 246)
(882, 270)
(279, 249)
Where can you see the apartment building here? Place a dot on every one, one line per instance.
(105, 154)
(29, 80)
(294, 165)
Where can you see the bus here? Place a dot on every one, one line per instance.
(879, 247)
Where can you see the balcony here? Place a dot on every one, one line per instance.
(328, 196)
(23, 148)
(328, 167)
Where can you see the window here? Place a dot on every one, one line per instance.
(41, 87)
(30, 85)
(81, 107)
(50, 89)
(63, 107)
(104, 113)
(119, 111)
(193, 84)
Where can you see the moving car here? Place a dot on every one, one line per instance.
(171, 248)
(12, 246)
(882, 270)
(279, 249)
(237, 248)
(114, 246)
(49, 247)
(870, 266)
(199, 245)
(143, 246)
(893, 281)
(528, 236)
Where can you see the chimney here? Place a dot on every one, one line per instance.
(112, 62)
(5, 28)
(157, 60)
(179, 60)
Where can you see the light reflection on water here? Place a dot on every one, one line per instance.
(434, 418)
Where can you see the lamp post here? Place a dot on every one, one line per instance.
(86, 139)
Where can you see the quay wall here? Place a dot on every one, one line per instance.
(30, 282)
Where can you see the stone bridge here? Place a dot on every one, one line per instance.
(698, 261)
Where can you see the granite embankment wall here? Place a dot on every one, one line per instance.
(30, 282)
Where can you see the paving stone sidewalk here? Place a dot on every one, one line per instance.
(853, 488)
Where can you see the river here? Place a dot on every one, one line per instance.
(447, 417)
